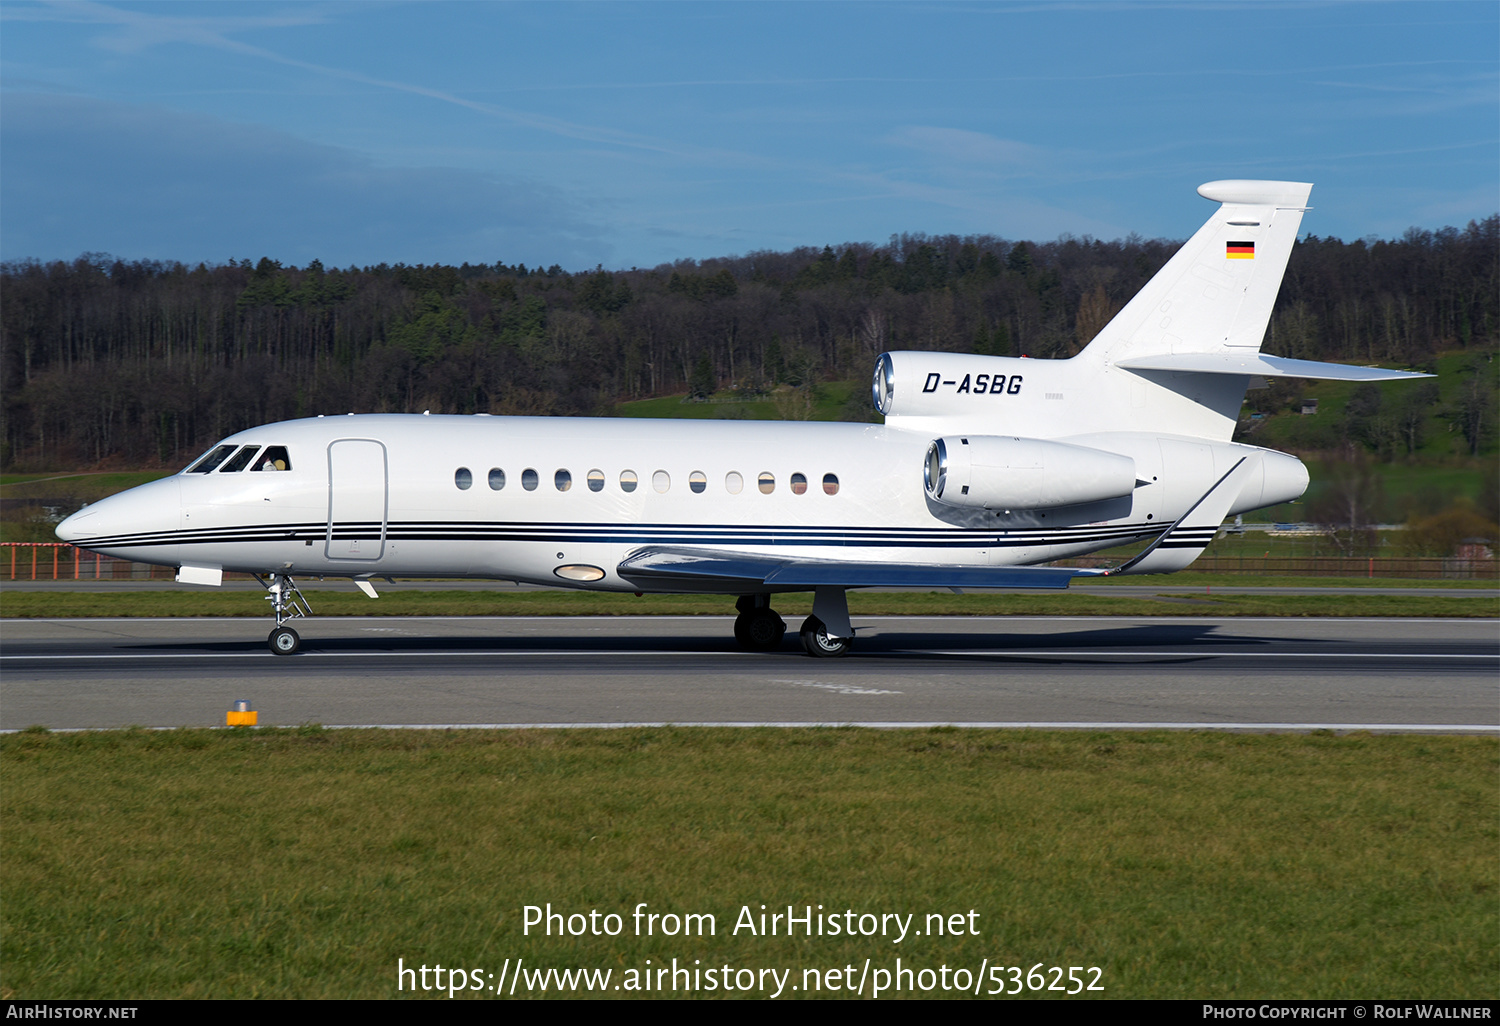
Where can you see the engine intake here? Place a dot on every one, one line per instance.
(951, 384)
(989, 472)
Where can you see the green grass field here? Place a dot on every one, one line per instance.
(28, 496)
(89, 486)
(305, 863)
(1288, 429)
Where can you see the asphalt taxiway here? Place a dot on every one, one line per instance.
(1396, 674)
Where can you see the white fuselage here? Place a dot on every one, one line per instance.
(380, 495)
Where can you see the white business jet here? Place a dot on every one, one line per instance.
(984, 468)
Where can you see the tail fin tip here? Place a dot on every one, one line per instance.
(1249, 192)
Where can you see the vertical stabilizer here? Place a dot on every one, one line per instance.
(1215, 295)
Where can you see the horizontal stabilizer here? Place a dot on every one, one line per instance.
(699, 568)
(1185, 540)
(1259, 365)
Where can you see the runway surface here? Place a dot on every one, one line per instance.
(1108, 671)
(1458, 589)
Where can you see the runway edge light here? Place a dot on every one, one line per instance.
(241, 715)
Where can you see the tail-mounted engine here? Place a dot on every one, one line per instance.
(913, 384)
(988, 472)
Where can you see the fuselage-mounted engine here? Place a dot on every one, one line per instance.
(989, 472)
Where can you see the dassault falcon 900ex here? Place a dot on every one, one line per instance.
(984, 468)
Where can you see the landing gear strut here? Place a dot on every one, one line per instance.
(758, 626)
(827, 631)
(287, 602)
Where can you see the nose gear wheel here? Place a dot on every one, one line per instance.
(288, 602)
(284, 641)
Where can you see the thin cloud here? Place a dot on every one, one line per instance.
(140, 30)
(964, 146)
(190, 187)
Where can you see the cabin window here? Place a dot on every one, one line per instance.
(563, 480)
(830, 484)
(497, 478)
(240, 460)
(529, 479)
(627, 480)
(698, 481)
(661, 481)
(274, 458)
(767, 482)
(799, 484)
(211, 459)
(463, 478)
(733, 483)
(596, 480)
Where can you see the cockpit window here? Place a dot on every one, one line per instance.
(240, 460)
(274, 458)
(211, 459)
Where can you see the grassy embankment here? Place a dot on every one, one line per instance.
(35, 503)
(304, 862)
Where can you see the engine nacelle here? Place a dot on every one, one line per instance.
(914, 384)
(989, 472)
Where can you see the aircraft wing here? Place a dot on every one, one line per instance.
(703, 568)
(707, 569)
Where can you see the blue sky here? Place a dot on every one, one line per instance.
(631, 134)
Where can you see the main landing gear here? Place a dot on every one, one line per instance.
(825, 633)
(816, 641)
(288, 602)
(758, 627)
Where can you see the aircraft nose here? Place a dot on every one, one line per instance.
(140, 513)
(79, 526)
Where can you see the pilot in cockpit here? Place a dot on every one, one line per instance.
(274, 458)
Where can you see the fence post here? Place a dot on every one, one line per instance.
(54, 561)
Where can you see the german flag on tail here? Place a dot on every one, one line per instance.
(1239, 251)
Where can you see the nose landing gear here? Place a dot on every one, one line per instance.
(284, 641)
(288, 602)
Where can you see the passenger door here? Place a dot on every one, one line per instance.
(357, 478)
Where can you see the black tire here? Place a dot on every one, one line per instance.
(284, 641)
(759, 630)
(816, 641)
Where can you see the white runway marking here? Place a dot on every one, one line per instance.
(842, 689)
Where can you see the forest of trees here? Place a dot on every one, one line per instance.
(144, 362)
